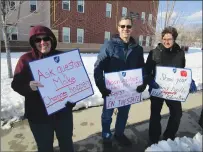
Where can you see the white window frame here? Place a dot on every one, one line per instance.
(107, 35)
(35, 4)
(11, 33)
(143, 17)
(108, 9)
(81, 2)
(80, 33)
(124, 11)
(147, 41)
(66, 2)
(150, 19)
(140, 40)
(12, 8)
(66, 34)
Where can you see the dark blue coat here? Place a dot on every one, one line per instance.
(114, 56)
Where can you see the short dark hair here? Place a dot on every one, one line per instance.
(170, 30)
(126, 18)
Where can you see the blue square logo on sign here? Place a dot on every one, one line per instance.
(123, 74)
(174, 70)
(56, 59)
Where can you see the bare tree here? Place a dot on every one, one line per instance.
(10, 8)
(190, 35)
(167, 17)
(5, 11)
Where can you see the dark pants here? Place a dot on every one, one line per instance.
(201, 119)
(175, 109)
(44, 133)
(121, 120)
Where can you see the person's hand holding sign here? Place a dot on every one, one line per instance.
(35, 84)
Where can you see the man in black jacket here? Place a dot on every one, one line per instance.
(167, 53)
(118, 54)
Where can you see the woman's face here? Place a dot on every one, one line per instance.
(168, 40)
(43, 43)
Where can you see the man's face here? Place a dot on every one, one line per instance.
(125, 28)
(168, 40)
(43, 43)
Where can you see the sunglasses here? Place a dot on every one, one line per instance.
(127, 26)
(37, 40)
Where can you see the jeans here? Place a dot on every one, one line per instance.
(121, 120)
(44, 133)
(175, 109)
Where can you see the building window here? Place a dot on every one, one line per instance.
(80, 35)
(107, 35)
(150, 19)
(33, 5)
(81, 5)
(66, 34)
(12, 32)
(12, 5)
(143, 17)
(31, 26)
(108, 10)
(147, 41)
(140, 40)
(124, 11)
(66, 4)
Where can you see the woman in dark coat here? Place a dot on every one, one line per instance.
(43, 44)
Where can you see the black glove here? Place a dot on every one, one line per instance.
(70, 105)
(105, 92)
(154, 85)
(141, 88)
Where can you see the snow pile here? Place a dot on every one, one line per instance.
(185, 144)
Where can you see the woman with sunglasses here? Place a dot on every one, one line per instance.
(43, 44)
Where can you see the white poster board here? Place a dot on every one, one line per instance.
(174, 83)
(64, 78)
(123, 86)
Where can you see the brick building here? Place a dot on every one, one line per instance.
(82, 21)
(80, 24)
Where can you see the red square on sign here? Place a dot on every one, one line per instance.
(183, 73)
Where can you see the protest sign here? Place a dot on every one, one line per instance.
(174, 83)
(64, 78)
(123, 86)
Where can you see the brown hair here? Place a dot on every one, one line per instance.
(170, 30)
(126, 18)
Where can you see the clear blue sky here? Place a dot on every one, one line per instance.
(192, 10)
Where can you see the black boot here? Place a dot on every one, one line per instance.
(107, 143)
(123, 140)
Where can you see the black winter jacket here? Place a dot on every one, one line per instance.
(114, 57)
(160, 56)
(35, 110)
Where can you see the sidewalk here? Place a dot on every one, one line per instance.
(87, 128)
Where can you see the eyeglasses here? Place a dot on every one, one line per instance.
(127, 26)
(168, 40)
(37, 40)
